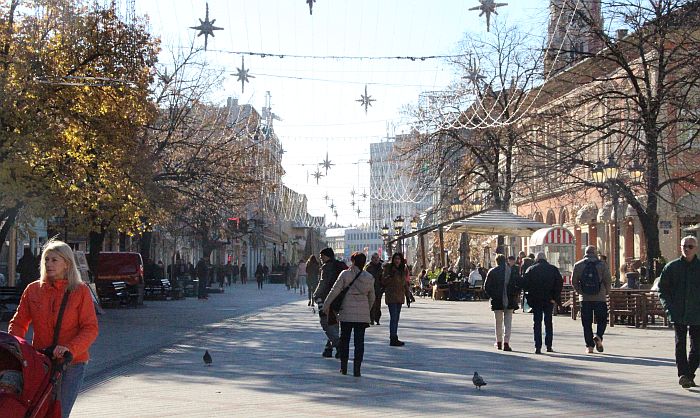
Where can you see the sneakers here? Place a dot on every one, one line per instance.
(499, 345)
(589, 350)
(686, 382)
(598, 343)
(506, 347)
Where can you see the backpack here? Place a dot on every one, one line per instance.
(590, 282)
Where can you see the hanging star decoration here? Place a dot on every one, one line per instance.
(326, 197)
(352, 203)
(365, 100)
(364, 195)
(336, 216)
(332, 205)
(359, 211)
(326, 163)
(352, 192)
(317, 175)
(206, 28)
(311, 6)
(487, 7)
(473, 74)
(243, 75)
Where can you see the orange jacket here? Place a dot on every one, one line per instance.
(39, 306)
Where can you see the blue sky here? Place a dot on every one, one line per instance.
(316, 97)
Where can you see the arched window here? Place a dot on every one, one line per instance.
(551, 218)
(563, 216)
(538, 217)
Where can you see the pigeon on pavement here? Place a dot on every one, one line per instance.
(207, 358)
(478, 381)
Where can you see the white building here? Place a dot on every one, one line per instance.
(345, 241)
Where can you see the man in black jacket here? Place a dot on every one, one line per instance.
(543, 284)
(374, 267)
(330, 270)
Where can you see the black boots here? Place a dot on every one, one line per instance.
(395, 342)
(343, 366)
(356, 368)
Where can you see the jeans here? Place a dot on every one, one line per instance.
(375, 312)
(600, 310)
(331, 331)
(394, 315)
(687, 365)
(504, 319)
(358, 328)
(538, 311)
(260, 284)
(71, 381)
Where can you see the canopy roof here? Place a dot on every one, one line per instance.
(557, 235)
(497, 222)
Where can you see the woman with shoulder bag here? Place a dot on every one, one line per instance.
(394, 282)
(354, 312)
(59, 284)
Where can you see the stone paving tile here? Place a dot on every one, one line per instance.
(268, 363)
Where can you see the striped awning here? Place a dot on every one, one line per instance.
(497, 222)
(552, 235)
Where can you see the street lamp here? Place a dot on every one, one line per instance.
(636, 172)
(385, 230)
(456, 206)
(398, 227)
(477, 204)
(608, 173)
(414, 223)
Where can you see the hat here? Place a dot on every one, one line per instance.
(328, 252)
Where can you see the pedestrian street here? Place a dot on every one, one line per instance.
(267, 362)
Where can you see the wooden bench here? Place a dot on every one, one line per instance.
(113, 293)
(9, 300)
(652, 308)
(440, 292)
(569, 302)
(625, 308)
(158, 289)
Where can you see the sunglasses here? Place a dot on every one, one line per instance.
(689, 246)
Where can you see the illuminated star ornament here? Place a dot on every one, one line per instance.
(311, 6)
(317, 175)
(473, 73)
(487, 7)
(243, 75)
(326, 197)
(206, 28)
(332, 205)
(365, 100)
(326, 164)
(359, 211)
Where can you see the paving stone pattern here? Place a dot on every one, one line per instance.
(266, 349)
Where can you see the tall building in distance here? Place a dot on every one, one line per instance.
(394, 190)
(569, 32)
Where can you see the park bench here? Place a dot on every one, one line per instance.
(625, 307)
(9, 300)
(652, 309)
(158, 289)
(113, 294)
(569, 302)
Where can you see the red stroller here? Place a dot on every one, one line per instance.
(27, 379)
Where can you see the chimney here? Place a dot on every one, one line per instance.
(621, 33)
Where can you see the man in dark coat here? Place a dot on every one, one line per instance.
(330, 269)
(679, 292)
(543, 284)
(502, 288)
(375, 269)
(28, 268)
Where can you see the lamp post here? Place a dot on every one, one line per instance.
(609, 173)
(398, 228)
(385, 236)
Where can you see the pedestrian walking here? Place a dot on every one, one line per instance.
(260, 275)
(301, 276)
(354, 314)
(592, 281)
(59, 308)
(28, 268)
(244, 274)
(313, 270)
(374, 267)
(679, 292)
(235, 271)
(502, 288)
(394, 284)
(543, 283)
(202, 272)
(330, 270)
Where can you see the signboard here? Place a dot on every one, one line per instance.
(665, 224)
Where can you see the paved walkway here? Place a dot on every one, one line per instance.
(266, 350)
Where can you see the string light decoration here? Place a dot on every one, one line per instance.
(206, 28)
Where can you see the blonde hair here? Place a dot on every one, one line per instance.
(61, 249)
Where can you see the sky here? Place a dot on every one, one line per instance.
(315, 96)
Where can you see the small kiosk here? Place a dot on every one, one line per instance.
(557, 244)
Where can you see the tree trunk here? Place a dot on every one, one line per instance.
(145, 246)
(93, 259)
(9, 217)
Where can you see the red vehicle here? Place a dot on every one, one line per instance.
(122, 267)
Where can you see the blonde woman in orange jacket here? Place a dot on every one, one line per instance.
(39, 307)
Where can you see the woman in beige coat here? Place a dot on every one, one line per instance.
(354, 313)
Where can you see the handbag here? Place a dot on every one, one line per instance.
(337, 303)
